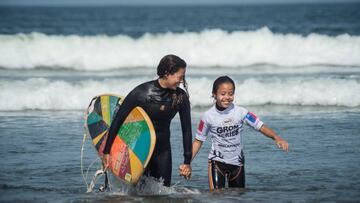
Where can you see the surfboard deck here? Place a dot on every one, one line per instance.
(135, 140)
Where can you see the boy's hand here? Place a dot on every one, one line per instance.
(282, 144)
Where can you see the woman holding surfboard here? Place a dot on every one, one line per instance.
(161, 99)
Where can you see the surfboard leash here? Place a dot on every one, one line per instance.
(102, 188)
(81, 161)
(98, 173)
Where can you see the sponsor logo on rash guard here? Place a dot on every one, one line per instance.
(229, 145)
(228, 122)
(251, 117)
(201, 126)
(227, 131)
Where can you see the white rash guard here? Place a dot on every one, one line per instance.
(225, 128)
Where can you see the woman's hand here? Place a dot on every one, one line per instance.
(106, 161)
(185, 170)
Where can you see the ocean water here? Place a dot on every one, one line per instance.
(296, 66)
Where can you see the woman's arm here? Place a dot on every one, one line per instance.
(185, 119)
(283, 144)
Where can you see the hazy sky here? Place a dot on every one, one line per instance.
(158, 2)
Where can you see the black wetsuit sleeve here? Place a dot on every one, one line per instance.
(128, 104)
(185, 119)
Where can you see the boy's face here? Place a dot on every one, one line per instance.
(224, 95)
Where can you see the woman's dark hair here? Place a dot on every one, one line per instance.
(222, 80)
(170, 64)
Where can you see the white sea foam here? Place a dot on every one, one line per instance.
(150, 186)
(45, 94)
(206, 48)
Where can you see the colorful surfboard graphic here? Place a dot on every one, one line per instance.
(135, 140)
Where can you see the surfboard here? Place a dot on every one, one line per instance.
(135, 140)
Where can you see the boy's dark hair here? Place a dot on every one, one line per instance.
(170, 64)
(222, 80)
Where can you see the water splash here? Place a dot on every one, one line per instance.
(150, 186)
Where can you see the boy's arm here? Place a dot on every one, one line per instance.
(268, 132)
(195, 148)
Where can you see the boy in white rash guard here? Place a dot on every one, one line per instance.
(224, 123)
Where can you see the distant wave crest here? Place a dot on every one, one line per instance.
(207, 48)
(45, 94)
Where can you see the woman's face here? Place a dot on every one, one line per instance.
(173, 80)
(224, 95)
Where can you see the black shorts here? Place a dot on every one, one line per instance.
(220, 173)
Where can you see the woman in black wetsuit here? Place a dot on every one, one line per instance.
(161, 99)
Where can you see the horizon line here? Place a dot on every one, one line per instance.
(93, 4)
